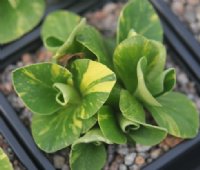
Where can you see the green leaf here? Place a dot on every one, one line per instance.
(59, 98)
(113, 99)
(57, 28)
(109, 125)
(70, 46)
(56, 131)
(90, 38)
(88, 152)
(4, 161)
(34, 84)
(87, 157)
(88, 123)
(128, 53)
(140, 16)
(14, 3)
(131, 108)
(164, 83)
(18, 18)
(142, 92)
(93, 136)
(66, 95)
(177, 114)
(132, 122)
(95, 82)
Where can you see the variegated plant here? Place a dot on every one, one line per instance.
(19, 17)
(92, 93)
(4, 161)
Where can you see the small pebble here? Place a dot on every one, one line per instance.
(122, 167)
(134, 167)
(27, 59)
(141, 148)
(65, 167)
(139, 160)
(58, 161)
(129, 159)
(182, 78)
(122, 149)
(172, 141)
(155, 153)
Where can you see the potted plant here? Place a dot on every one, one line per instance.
(105, 94)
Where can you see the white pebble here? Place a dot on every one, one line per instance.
(122, 167)
(141, 148)
(129, 159)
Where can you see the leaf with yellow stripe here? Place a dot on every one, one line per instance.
(19, 17)
(56, 131)
(95, 82)
(60, 99)
(127, 55)
(34, 84)
(4, 161)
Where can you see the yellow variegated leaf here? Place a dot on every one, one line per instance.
(4, 161)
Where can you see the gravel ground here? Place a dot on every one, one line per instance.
(188, 11)
(17, 165)
(122, 157)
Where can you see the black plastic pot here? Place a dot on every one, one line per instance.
(23, 136)
(185, 156)
(16, 147)
(180, 40)
(31, 41)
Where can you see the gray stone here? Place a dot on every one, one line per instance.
(194, 26)
(178, 8)
(58, 161)
(141, 148)
(155, 153)
(122, 149)
(129, 159)
(134, 167)
(182, 78)
(122, 167)
(65, 167)
(189, 14)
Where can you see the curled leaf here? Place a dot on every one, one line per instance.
(164, 83)
(92, 40)
(57, 28)
(34, 84)
(132, 122)
(70, 97)
(127, 55)
(142, 92)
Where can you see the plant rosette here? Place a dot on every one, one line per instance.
(93, 93)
